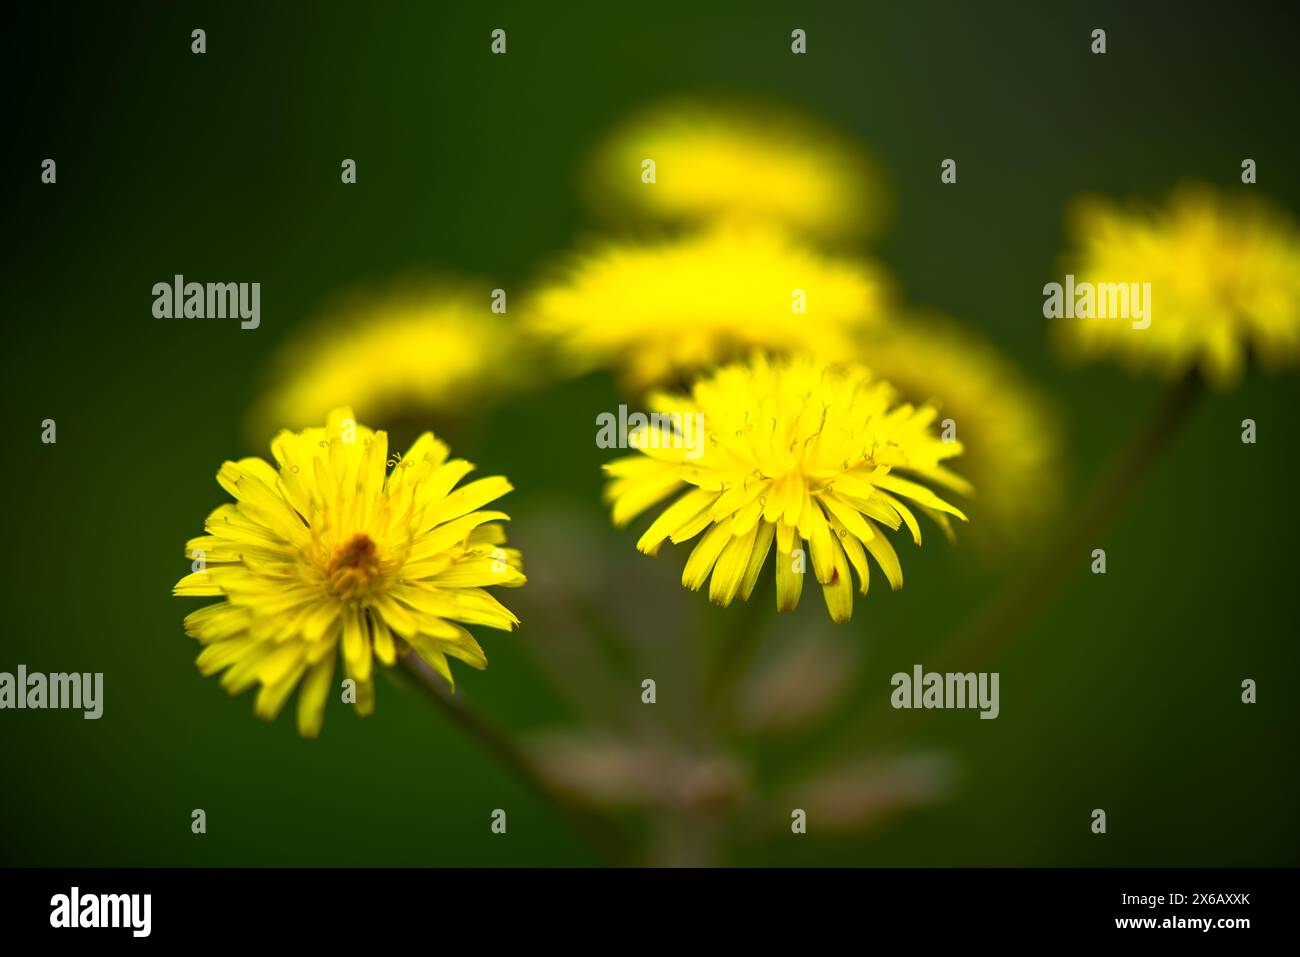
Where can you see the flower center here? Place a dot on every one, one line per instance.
(354, 568)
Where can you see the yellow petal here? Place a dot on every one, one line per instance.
(703, 556)
(887, 559)
(762, 545)
(271, 697)
(385, 648)
(789, 583)
(731, 567)
(838, 592)
(693, 504)
(312, 696)
(356, 646)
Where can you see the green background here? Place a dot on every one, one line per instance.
(1125, 695)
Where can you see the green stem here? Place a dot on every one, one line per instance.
(1016, 606)
(605, 839)
(740, 642)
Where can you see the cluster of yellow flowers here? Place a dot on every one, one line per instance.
(667, 311)
(830, 411)
(797, 451)
(1224, 275)
(754, 198)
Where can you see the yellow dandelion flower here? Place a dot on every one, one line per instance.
(1224, 276)
(332, 551)
(790, 452)
(421, 346)
(1008, 427)
(664, 311)
(715, 160)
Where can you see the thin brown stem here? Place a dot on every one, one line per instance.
(604, 837)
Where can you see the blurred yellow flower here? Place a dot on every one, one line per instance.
(423, 346)
(331, 552)
(793, 451)
(716, 160)
(1008, 428)
(1225, 283)
(659, 312)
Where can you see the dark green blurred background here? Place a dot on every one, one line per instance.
(226, 167)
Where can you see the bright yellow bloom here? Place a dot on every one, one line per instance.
(1225, 283)
(332, 551)
(792, 451)
(1008, 427)
(666, 311)
(427, 346)
(715, 161)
